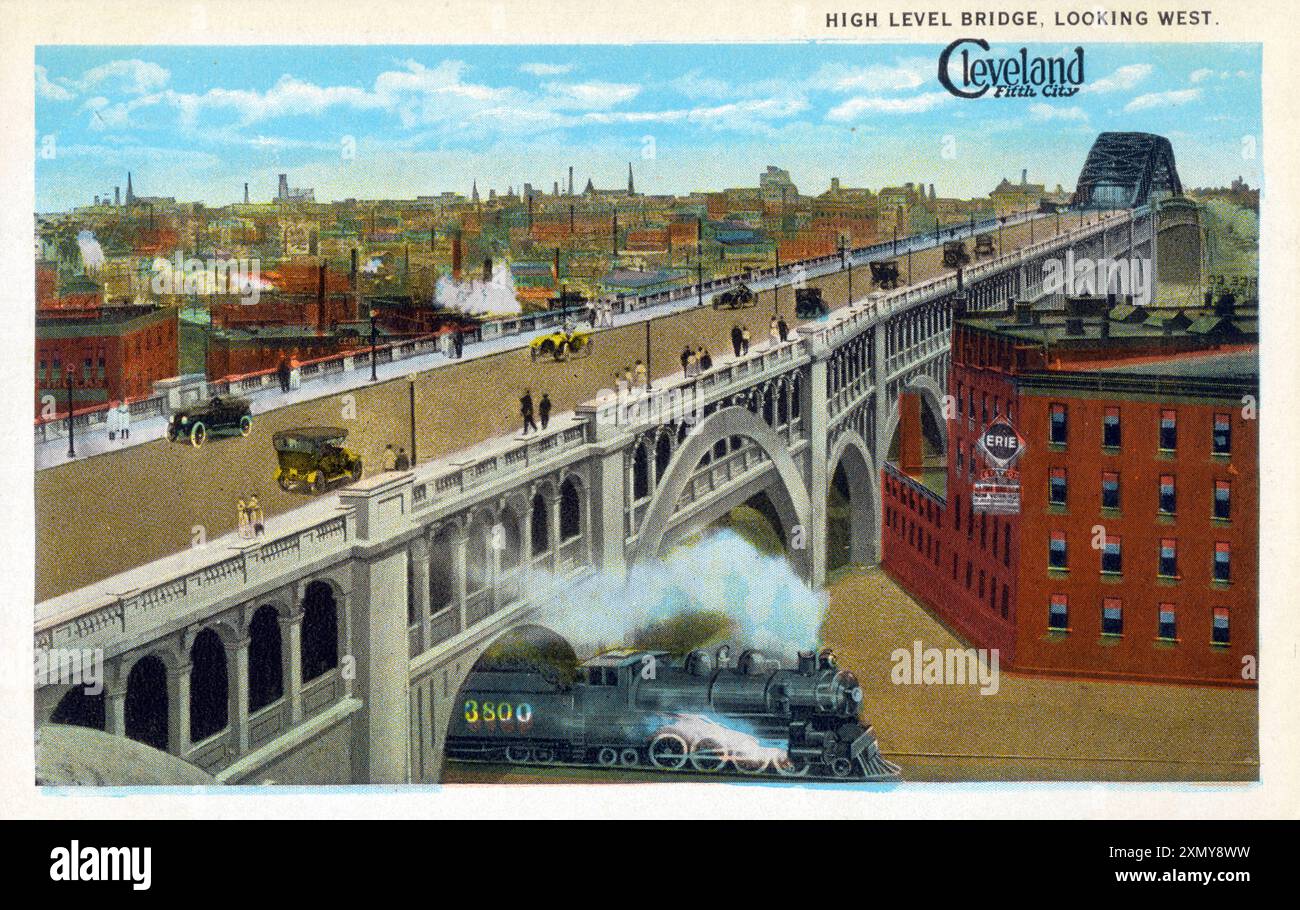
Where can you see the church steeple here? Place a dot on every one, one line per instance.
(130, 193)
(630, 190)
(473, 196)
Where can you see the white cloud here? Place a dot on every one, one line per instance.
(903, 75)
(590, 95)
(1126, 77)
(134, 77)
(50, 91)
(1162, 99)
(1198, 75)
(856, 107)
(546, 69)
(1044, 111)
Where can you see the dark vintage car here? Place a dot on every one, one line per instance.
(954, 254)
(221, 415)
(312, 458)
(735, 298)
(809, 304)
(884, 273)
(984, 245)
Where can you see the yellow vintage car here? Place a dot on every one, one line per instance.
(561, 344)
(313, 457)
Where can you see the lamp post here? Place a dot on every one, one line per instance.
(1031, 218)
(374, 363)
(411, 385)
(67, 383)
(648, 374)
(895, 251)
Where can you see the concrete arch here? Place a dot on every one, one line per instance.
(790, 498)
(931, 397)
(852, 451)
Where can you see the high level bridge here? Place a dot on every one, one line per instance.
(333, 648)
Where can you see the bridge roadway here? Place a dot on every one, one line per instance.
(101, 515)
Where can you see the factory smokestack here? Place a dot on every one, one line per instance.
(245, 194)
(571, 180)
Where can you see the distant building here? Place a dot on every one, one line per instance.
(1016, 198)
(294, 194)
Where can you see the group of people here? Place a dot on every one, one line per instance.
(396, 460)
(778, 330)
(526, 410)
(739, 340)
(696, 361)
(630, 378)
(452, 344)
(118, 420)
(600, 313)
(285, 372)
(251, 518)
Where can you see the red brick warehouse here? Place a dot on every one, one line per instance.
(1134, 553)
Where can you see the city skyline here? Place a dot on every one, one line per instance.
(401, 122)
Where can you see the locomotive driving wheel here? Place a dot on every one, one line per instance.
(668, 752)
(708, 755)
(517, 755)
(790, 767)
(756, 764)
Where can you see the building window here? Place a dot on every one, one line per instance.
(1056, 551)
(1058, 613)
(1112, 616)
(1110, 490)
(1168, 558)
(961, 460)
(961, 401)
(1056, 486)
(1222, 434)
(1168, 495)
(1110, 435)
(1221, 630)
(1222, 499)
(984, 408)
(1168, 430)
(1168, 629)
(1112, 559)
(1222, 561)
(968, 574)
(1058, 427)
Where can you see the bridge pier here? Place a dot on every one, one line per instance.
(816, 474)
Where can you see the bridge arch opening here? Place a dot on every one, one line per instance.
(265, 670)
(79, 709)
(442, 572)
(145, 706)
(539, 526)
(853, 506)
(570, 510)
(320, 631)
(209, 686)
(786, 491)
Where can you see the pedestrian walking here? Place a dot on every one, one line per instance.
(686, 360)
(706, 361)
(110, 418)
(124, 420)
(692, 363)
(460, 343)
(284, 373)
(773, 333)
(390, 458)
(736, 340)
(403, 461)
(544, 409)
(242, 514)
(784, 328)
(255, 516)
(609, 313)
(526, 410)
(627, 380)
(639, 374)
(744, 340)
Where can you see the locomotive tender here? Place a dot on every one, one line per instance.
(633, 708)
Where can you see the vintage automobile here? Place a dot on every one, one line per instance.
(735, 298)
(884, 274)
(954, 254)
(313, 458)
(984, 245)
(561, 343)
(221, 415)
(808, 304)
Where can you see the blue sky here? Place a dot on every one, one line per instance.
(197, 122)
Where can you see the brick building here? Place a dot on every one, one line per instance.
(1134, 552)
(112, 353)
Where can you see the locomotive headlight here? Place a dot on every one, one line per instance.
(848, 693)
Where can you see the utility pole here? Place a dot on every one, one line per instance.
(374, 360)
(67, 381)
(411, 381)
(648, 372)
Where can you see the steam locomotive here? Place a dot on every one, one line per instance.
(706, 712)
